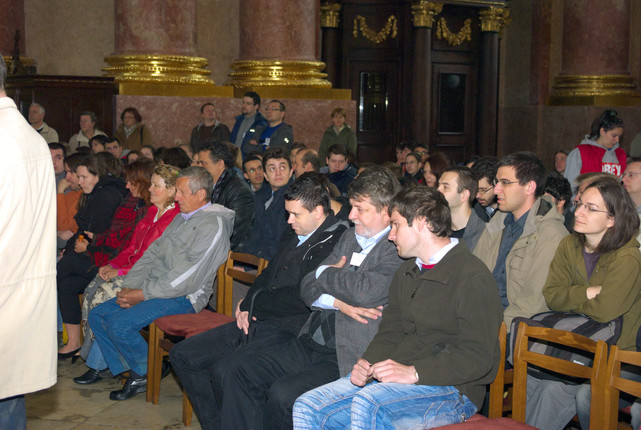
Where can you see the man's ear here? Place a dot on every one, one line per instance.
(465, 196)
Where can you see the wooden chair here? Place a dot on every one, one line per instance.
(497, 402)
(524, 357)
(615, 383)
(187, 325)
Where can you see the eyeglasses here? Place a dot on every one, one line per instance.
(504, 182)
(630, 174)
(255, 169)
(272, 109)
(484, 190)
(590, 208)
(422, 152)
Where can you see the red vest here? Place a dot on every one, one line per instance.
(592, 160)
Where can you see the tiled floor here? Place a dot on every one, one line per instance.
(67, 405)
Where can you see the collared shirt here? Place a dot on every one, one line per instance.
(303, 239)
(190, 214)
(326, 301)
(511, 233)
(436, 258)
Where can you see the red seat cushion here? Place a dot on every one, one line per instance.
(479, 422)
(187, 325)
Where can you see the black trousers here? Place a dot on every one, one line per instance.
(257, 389)
(74, 272)
(195, 359)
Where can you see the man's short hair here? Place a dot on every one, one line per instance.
(376, 183)
(559, 188)
(337, 149)
(101, 138)
(202, 108)
(112, 139)
(58, 145)
(254, 96)
(174, 156)
(217, 151)
(527, 167)
(309, 190)
(485, 167)
(42, 108)
(3, 71)
(276, 153)
(310, 156)
(199, 179)
(339, 111)
(466, 181)
(251, 158)
(408, 144)
(72, 161)
(90, 114)
(280, 104)
(424, 202)
(297, 145)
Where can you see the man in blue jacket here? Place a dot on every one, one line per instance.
(248, 120)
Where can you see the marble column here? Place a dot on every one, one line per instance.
(595, 52)
(423, 14)
(330, 18)
(493, 20)
(155, 43)
(278, 43)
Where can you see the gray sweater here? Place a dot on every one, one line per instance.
(184, 260)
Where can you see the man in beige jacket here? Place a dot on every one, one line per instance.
(28, 255)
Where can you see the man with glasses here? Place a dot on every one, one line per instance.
(270, 217)
(253, 172)
(275, 134)
(485, 172)
(519, 243)
(632, 181)
(248, 120)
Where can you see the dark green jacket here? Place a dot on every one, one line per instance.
(445, 322)
(617, 272)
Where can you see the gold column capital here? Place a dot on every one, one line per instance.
(329, 15)
(423, 13)
(494, 19)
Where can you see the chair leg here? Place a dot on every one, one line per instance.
(152, 353)
(187, 410)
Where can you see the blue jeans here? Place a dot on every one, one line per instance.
(13, 414)
(117, 330)
(95, 359)
(341, 404)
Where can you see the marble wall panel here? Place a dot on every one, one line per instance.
(171, 119)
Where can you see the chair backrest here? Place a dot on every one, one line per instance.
(227, 274)
(616, 383)
(524, 357)
(503, 378)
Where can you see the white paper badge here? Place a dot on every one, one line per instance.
(357, 259)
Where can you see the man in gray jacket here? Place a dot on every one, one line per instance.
(174, 276)
(261, 386)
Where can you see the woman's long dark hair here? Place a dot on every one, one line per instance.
(620, 206)
(607, 121)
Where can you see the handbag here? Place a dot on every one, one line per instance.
(567, 321)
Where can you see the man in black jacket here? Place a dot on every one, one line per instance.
(272, 305)
(229, 189)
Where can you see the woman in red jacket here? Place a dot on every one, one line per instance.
(109, 279)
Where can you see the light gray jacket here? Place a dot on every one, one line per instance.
(184, 260)
(367, 287)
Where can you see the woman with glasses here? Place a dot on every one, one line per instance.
(132, 133)
(596, 271)
(599, 151)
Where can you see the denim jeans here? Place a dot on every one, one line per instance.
(95, 359)
(117, 330)
(13, 414)
(341, 404)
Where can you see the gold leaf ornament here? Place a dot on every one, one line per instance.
(454, 39)
(390, 29)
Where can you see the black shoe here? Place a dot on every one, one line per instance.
(131, 388)
(70, 354)
(91, 376)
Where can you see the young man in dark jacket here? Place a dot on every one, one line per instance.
(437, 344)
(272, 305)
